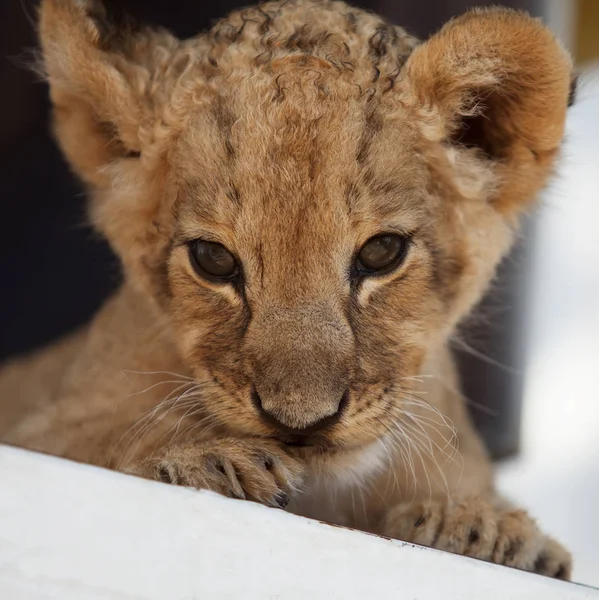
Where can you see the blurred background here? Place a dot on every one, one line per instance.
(528, 355)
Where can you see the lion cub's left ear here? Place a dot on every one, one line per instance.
(498, 81)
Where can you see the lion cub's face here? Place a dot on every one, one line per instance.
(312, 209)
(307, 275)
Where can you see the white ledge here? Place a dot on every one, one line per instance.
(75, 532)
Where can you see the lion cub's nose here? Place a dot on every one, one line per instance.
(289, 423)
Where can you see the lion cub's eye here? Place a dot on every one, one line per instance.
(212, 260)
(382, 253)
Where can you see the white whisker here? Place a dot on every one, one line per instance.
(179, 375)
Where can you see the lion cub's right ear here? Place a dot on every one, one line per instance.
(96, 85)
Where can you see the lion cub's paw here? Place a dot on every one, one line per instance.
(248, 469)
(475, 528)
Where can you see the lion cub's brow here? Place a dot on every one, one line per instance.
(338, 170)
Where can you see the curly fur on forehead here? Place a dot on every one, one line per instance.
(345, 38)
(311, 37)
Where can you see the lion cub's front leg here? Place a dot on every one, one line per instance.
(249, 469)
(477, 528)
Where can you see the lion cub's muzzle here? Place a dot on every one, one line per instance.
(301, 359)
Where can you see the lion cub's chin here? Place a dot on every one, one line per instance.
(344, 464)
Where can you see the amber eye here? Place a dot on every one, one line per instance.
(382, 253)
(213, 260)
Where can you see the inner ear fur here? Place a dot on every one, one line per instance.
(96, 83)
(498, 81)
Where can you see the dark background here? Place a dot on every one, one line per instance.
(55, 272)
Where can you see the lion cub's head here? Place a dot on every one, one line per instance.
(311, 198)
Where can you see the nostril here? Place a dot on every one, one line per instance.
(308, 429)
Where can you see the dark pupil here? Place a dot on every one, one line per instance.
(215, 259)
(381, 252)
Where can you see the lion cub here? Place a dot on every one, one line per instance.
(306, 201)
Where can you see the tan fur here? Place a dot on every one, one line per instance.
(292, 133)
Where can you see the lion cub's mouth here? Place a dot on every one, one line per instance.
(303, 441)
(310, 445)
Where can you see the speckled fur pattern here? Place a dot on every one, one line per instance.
(292, 133)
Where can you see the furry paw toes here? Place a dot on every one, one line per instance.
(459, 528)
(475, 528)
(257, 471)
(521, 544)
(553, 560)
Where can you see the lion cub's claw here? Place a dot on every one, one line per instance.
(246, 469)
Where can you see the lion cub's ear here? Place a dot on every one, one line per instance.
(498, 81)
(96, 82)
